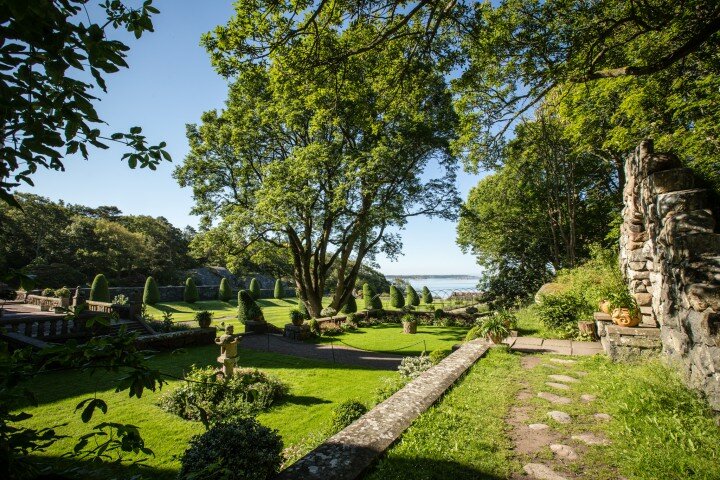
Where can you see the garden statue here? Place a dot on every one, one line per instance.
(228, 351)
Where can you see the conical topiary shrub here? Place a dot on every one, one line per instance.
(279, 291)
(254, 288)
(372, 301)
(190, 295)
(225, 291)
(248, 310)
(411, 296)
(427, 297)
(303, 309)
(99, 291)
(396, 298)
(350, 305)
(151, 294)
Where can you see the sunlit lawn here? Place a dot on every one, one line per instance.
(316, 387)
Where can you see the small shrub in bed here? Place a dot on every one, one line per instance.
(248, 392)
(389, 386)
(63, 292)
(48, 292)
(314, 327)
(303, 309)
(204, 318)
(190, 295)
(346, 413)
(151, 294)
(562, 311)
(437, 356)
(412, 367)
(239, 449)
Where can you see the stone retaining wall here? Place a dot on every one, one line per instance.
(670, 256)
(175, 293)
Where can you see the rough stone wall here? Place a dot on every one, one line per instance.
(670, 256)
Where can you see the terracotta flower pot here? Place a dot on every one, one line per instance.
(495, 338)
(604, 306)
(409, 327)
(624, 318)
(297, 321)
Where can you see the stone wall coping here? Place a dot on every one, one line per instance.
(639, 331)
(602, 317)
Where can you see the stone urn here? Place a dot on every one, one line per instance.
(409, 326)
(604, 306)
(623, 317)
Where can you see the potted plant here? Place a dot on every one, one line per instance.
(296, 317)
(409, 323)
(494, 328)
(624, 309)
(204, 318)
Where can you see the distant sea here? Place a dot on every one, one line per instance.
(439, 285)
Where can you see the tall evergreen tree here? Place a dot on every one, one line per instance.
(255, 289)
(99, 292)
(225, 291)
(411, 296)
(279, 291)
(427, 297)
(190, 295)
(151, 294)
(396, 298)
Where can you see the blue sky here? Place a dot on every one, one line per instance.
(170, 83)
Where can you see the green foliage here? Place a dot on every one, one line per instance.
(494, 326)
(151, 293)
(225, 291)
(47, 292)
(389, 386)
(371, 300)
(438, 314)
(412, 367)
(63, 292)
(508, 318)
(350, 306)
(437, 356)
(562, 312)
(346, 413)
(296, 316)
(44, 123)
(190, 294)
(205, 398)
(303, 309)
(120, 300)
(396, 298)
(411, 296)
(315, 327)
(279, 290)
(254, 288)
(99, 291)
(239, 449)
(203, 318)
(427, 297)
(247, 308)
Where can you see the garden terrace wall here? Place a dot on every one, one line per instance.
(173, 340)
(175, 293)
(670, 257)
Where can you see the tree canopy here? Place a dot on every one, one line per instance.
(324, 161)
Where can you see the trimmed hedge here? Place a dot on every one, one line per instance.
(254, 289)
(350, 306)
(279, 291)
(151, 294)
(372, 302)
(190, 295)
(99, 292)
(411, 296)
(224, 291)
(427, 297)
(396, 298)
(247, 308)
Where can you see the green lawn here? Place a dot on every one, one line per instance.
(316, 387)
(389, 338)
(463, 436)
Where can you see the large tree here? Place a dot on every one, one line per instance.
(52, 56)
(325, 161)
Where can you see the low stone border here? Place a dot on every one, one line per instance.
(183, 338)
(347, 454)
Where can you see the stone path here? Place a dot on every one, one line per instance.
(550, 451)
(347, 454)
(561, 347)
(337, 354)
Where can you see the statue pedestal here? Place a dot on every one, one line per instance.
(252, 326)
(296, 332)
(228, 365)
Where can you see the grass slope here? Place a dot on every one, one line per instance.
(316, 387)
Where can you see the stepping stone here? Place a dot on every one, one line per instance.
(560, 417)
(559, 386)
(580, 373)
(563, 378)
(564, 451)
(586, 397)
(590, 439)
(603, 417)
(538, 426)
(552, 398)
(563, 361)
(542, 472)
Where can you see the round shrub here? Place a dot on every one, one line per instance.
(48, 292)
(190, 295)
(471, 310)
(346, 413)
(412, 367)
(296, 317)
(411, 296)
(396, 298)
(315, 327)
(254, 288)
(239, 449)
(350, 305)
(99, 291)
(204, 319)
(427, 297)
(63, 292)
(279, 291)
(248, 310)
(561, 311)
(224, 291)
(151, 294)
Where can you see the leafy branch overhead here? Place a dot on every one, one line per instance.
(52, 56)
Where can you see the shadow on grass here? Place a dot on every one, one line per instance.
(425, 469)
(63, 468)
(305, 400)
